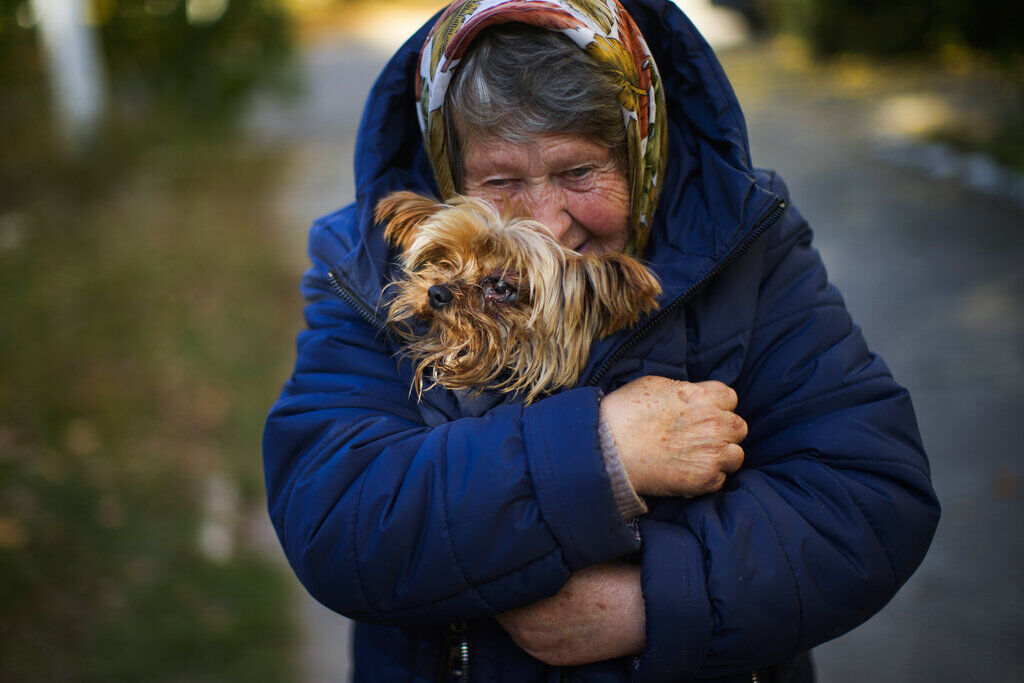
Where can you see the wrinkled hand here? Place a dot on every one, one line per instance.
(675, 438)
(598, 614)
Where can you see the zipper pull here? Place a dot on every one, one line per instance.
(457, 651)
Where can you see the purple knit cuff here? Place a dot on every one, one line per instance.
(630, 505)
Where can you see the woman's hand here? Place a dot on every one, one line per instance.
(598, 614)
(675, 438)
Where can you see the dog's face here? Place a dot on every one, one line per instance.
(506, 306)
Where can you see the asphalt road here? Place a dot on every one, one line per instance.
(932, 273)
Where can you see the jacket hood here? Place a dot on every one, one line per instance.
(710, 199)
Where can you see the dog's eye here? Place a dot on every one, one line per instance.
(498, 290)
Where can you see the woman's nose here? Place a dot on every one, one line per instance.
(548, 205)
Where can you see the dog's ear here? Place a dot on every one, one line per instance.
(621, 290)
(401, 213)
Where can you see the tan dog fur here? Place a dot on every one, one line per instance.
(523, 309)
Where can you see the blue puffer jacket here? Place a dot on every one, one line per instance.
(410, 517)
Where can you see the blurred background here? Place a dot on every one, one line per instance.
(160, 162)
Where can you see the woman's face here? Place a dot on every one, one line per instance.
(567, 182)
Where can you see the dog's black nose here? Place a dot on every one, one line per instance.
(439, 296)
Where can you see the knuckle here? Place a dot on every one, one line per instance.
(685, 390)
(714, 481)
(718, 425)
(718, 387)
(718, 452)
(739, 425)
(706, 388)
(721, 392)
(735, 458)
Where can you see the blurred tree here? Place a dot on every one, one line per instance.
(761, 15)
(19, 57)
(130, 338)
(77, 85)
(198, 56)
(202, 55)
(891, 27)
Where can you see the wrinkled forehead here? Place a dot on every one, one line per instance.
(544, 155)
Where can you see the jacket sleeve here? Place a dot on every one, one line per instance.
(832, 511)
(389, 521)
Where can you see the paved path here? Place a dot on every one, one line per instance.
(932, 273)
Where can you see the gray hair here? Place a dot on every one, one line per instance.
(518, 81)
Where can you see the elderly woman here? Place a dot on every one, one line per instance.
(489, 540)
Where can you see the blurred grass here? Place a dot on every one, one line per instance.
(144, 331)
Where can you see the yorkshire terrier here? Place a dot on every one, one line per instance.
(504, 306)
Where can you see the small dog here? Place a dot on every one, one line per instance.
(505, 306)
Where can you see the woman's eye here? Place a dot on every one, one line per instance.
(499, 183)
(580, 173)
(578, 178)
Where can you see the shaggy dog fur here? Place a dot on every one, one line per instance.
(504, 305)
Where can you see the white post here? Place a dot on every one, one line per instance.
(74, 61)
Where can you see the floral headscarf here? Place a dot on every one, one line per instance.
(606, 32)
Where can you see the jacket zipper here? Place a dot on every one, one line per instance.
(368, 314)
(775, 213)
(455, 655)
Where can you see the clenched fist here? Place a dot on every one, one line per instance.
(675, 438)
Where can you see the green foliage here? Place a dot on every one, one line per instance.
(196, 56)
(146, 311)
(896, 27)
(153, 47)
(146, 316)
(105, 584)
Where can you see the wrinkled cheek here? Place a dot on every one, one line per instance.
(604, 214)
(607, 226)
(502, 201)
